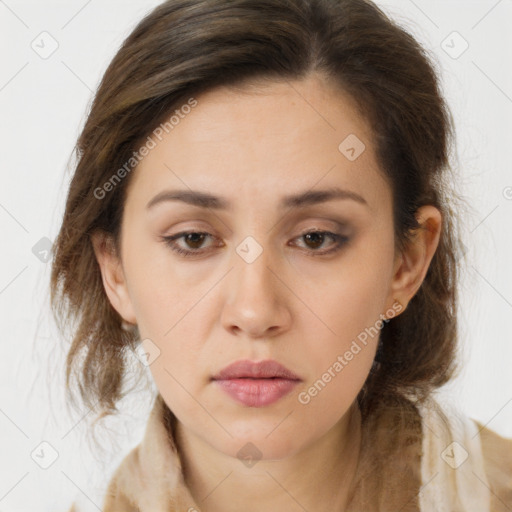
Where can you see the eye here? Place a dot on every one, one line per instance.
(315, 239)
(194, 240)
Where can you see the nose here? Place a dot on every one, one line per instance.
(256, 304)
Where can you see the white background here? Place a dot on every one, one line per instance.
(43, 103)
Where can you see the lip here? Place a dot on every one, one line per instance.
(256, 383)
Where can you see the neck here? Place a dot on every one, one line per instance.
(319, 477)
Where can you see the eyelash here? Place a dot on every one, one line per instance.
(170, 242)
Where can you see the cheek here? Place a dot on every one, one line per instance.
(163, 292)
(341, 358)
(349, 308)
(351, 298)
(339, 363)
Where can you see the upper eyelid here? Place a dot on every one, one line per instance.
(341, 227)
(303, 232)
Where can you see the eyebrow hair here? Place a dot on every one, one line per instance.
(206, 200)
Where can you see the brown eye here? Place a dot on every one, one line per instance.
(316, 239)
(193, 242)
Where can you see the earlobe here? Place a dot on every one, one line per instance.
(414, 261)
(112, 274)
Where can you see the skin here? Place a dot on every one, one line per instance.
(252, 146)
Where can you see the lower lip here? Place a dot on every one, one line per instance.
(257, 392)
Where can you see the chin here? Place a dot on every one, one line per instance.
(260, 440)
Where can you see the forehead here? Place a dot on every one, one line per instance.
(266, 141)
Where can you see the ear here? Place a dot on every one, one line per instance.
(112, 274)
(412, 264)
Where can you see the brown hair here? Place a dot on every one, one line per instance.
(186, 47)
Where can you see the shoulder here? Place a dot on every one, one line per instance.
(116, 497)
(497, 455)
(150, 476)
(474, 463)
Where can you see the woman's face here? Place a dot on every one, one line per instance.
(272, 167)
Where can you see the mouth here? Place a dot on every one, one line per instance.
(256, 384)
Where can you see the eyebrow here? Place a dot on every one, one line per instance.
(205, 200)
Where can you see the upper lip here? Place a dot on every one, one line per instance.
(256, 370)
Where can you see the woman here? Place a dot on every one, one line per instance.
(262, 212)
